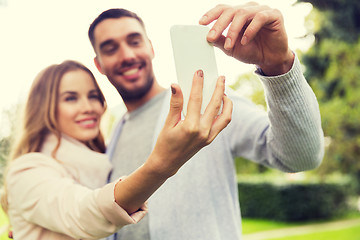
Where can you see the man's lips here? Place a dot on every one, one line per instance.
(132, 71)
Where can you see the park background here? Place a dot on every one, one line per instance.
(323, 33)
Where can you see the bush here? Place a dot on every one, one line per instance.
(293, 201)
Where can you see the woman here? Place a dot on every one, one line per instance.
(55, 180)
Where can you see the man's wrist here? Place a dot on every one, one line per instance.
(279, 68)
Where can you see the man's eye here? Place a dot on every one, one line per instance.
(135, 42)
(109, 49)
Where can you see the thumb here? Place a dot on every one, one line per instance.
(176, 106)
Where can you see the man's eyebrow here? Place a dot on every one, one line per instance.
(133, 35)
(111, 41)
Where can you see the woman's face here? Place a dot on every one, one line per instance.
(79, 107)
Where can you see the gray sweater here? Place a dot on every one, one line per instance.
(201, 200)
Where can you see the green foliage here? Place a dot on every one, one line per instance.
(4, 151)
(250, 87)
(244, 166)
(293, 202)
(10, 123)
(341, 20)
(333, 70)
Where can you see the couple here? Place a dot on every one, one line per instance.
(55, 183)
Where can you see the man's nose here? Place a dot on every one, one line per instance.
(126, 53)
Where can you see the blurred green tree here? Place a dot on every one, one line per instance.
(4, 151)
(250, 87)
(333, 69)
(10, 126)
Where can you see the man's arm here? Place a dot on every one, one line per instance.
(290, 136)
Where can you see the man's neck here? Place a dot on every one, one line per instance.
(155, 90)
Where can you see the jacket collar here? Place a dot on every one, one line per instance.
(87, 167)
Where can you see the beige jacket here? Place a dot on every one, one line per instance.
(64, 198)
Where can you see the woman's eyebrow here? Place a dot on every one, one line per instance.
(68, 93)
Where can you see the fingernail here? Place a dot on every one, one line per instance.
(173, 90)
(227, 43)
(212, 33)
(203, 19)
(223, 79)
(244, 40)
(200, 73)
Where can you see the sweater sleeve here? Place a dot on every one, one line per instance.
(40, 190)
(289, 136)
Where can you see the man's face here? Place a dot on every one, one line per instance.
(124, 55)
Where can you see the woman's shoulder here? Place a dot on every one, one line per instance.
(33, 160)
(33, 157)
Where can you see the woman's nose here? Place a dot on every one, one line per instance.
(86, 106)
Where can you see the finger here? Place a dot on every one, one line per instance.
(212, 14)
(261, 19)
(221, 24)
(195, 99)
(213, 108)
(236, 30)
(176, 106)
(222, 120)
(243, 15)
(220, 44)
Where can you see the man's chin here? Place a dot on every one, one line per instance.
(136, 94)
(128, 96)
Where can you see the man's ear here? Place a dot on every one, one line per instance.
(97, 64)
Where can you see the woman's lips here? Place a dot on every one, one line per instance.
(88, 123)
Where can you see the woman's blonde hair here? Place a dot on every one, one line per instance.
(40, 116)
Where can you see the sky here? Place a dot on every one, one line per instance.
(38, 33)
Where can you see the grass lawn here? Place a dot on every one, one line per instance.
(256, 225)
(3, 222)
(352, 233)
(349, 233)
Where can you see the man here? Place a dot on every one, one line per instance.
(201, 201)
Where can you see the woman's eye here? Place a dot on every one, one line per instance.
(70, 98)
(94, 97)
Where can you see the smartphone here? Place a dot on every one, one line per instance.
(193, 52)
